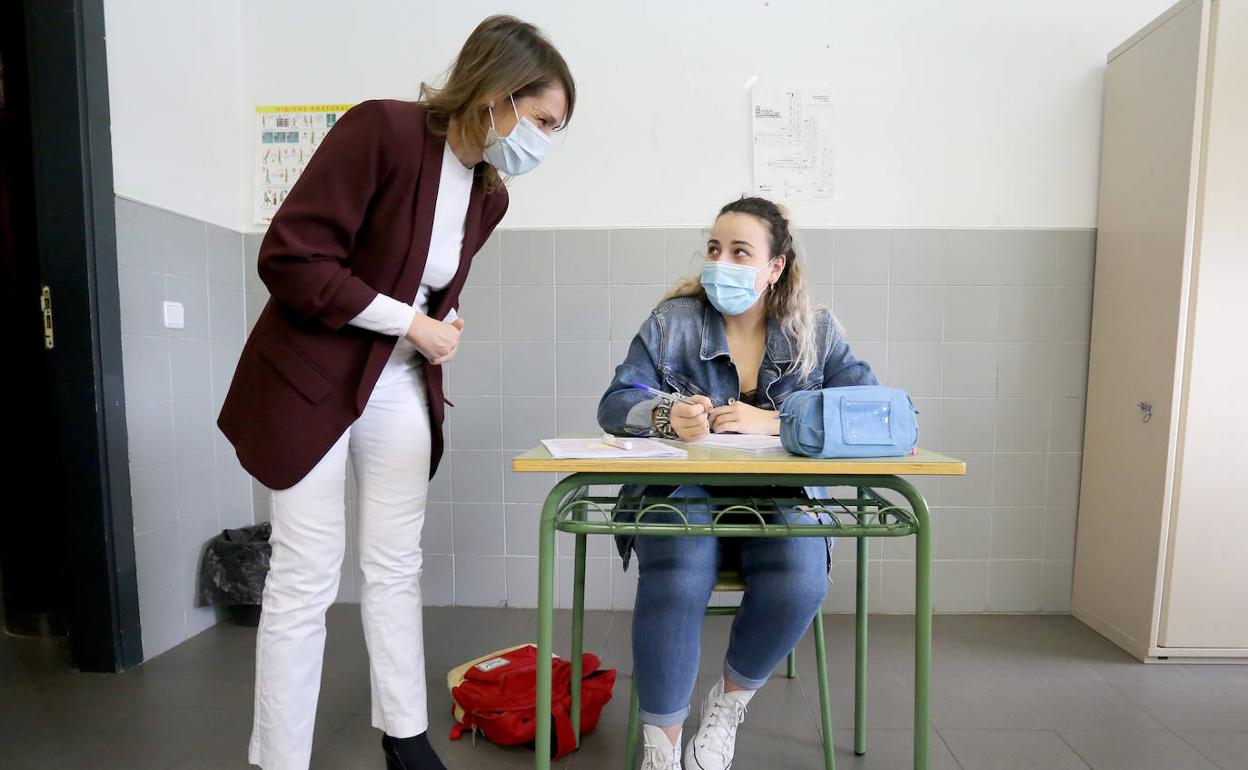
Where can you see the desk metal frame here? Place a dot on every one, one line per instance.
(571, 508)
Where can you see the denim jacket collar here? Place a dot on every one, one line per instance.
(715, 338)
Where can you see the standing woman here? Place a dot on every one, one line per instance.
(365, 261)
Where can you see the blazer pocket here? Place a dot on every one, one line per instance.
(294, 367)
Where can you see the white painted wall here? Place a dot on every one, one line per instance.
(175, 88)
(961, 113)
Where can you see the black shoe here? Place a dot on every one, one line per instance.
(413, 753)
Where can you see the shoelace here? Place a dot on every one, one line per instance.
(655, 757)
(724, 720)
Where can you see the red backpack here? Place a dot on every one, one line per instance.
(496, 695)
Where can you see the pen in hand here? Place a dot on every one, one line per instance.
(669, 397)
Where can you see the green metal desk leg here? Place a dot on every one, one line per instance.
(860, 646)
(825, 706)
(634, 726)
(922, 623)
(578, 631)
(545, 618)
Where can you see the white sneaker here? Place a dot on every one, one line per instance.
(657, 752)
(716, 740)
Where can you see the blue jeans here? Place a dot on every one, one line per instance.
(786, 580)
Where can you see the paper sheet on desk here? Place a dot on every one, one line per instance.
(594, 449)
(742, 442)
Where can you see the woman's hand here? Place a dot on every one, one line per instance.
(737, 417)
(690, 420)
(437, 341)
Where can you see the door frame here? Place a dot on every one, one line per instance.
(77, 245)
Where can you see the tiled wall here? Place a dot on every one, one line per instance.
(186, 483)
(987, 329)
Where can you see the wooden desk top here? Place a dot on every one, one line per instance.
(706, 460)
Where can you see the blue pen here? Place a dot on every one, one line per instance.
(670, 397)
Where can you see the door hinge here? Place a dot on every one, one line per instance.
(45, 304)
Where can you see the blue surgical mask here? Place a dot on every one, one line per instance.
(518, 152)
(729, 287)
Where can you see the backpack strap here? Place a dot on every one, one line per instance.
(562, 738)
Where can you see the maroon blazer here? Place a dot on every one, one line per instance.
(357, 222)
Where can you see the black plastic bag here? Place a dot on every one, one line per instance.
(232, 571)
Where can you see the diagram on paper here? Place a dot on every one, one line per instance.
(793, 144)
(286, 138)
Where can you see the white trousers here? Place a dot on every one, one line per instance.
(389, 447)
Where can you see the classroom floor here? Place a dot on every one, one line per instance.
(1010, 693)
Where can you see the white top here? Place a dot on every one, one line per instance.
(387, 315)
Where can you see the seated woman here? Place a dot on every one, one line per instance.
(736, 343)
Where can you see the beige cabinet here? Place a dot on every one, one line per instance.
(1161, 555)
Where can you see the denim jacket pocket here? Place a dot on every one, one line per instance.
(679, 383)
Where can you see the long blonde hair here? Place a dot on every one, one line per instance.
(788, 300)
(503, 56)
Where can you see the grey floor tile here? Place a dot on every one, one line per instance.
(1229, 679)
(155, 736)
(1188, 705)
(65, 750)
(887, 750)
(599, 626)
(1013, 749)
(984, 704)
(345, 686)
(997, 633)
(788, 748)
(1125, 668)
(1071, 705)
(1035, 667)
(952, 662)
(71, 698)
(953, 659)
(1228, 751)
(883, 639)
(1134, 750)
(355, 746)
(1034, 648)
(18, 720)
(455, 635)
(226, 685)
(226, 749)
(603, 748)
(890, 703)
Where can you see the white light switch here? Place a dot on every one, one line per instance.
(174, 315)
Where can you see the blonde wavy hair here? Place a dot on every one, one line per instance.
(788, 300)
(503, 56)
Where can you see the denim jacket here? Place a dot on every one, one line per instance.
(683, 348)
